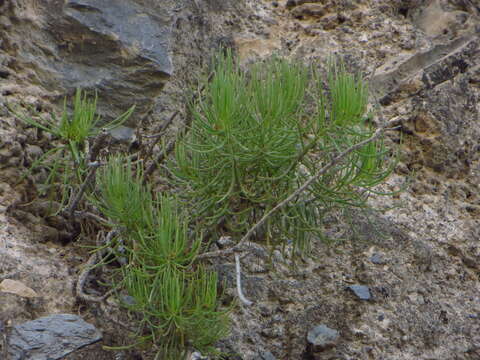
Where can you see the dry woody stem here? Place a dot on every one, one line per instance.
(242, 297)
(82, 278)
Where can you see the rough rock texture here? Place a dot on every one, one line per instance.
(420, 257)
(50, 337)
(118, 48)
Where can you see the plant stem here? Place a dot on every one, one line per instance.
(71, 211)
(159, 132)
(82, 278)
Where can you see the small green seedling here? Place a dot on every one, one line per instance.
(67, 161)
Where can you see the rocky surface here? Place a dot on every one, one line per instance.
(50, 337)
(118, 49)
(419, 257)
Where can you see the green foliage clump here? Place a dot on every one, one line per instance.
(67, 160)
(256, 136)
(176, 299)
(124, 199)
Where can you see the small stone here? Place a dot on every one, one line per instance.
(44, 233)
(17, 288)
(33, 152)
(361, 291)
(290, 3)
(322, 338)
(128, 300)
(267, 355)
(51, 337)
(377, 259)
(197, 356)
(225, 241)
(123, 133)
(5, 155)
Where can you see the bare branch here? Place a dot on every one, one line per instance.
(98, 143)
(168, 149)
(158, 134)
(71, 210)
(89, 266)
(89, 215)
(243, 299)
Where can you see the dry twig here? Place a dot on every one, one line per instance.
(71, 210)
(242, 298)
(89, 266)
(98, 144)
(158, 134)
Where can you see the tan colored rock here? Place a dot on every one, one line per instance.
(17, 288)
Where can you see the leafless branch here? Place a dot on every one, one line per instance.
(158, 134)
(243, 299)
(98, 144)
(71, 210)
(89, 266)
(168, 149)
(89, 215)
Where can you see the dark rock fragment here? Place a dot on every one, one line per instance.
(377, 259)
(267, 355)
(361, 291)
(51, 337)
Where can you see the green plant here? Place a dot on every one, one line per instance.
(122, 197)
(176, 299)
(271, 146)
(178, 308)
(67, 160)
(256, 137)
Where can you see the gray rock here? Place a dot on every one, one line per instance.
(116, 48)
(225, 241)
(267, 355)
(198, 356)
(123, 133)
(377, 259)
(33, 152)
(361, 291)
(322, 338)
(51, 337)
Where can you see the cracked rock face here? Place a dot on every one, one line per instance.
(117, 48)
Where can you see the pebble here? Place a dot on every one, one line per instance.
(377, 259)
(361, 291)
(322, 338)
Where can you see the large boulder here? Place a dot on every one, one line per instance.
(117, 48)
